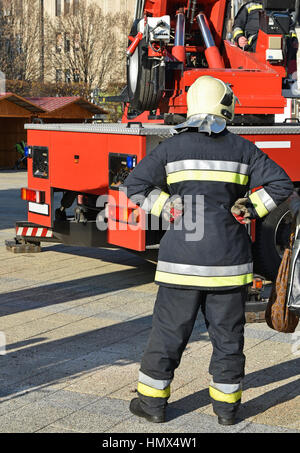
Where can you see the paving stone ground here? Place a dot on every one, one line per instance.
(76, 322)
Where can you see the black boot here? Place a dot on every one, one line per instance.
(227, 417)
(226, 412)
(136, 409)
(226, 421)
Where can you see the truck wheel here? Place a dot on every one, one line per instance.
(272, 237)
(145, 79)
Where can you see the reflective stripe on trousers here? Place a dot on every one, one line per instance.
(225, 393)
(154, 388)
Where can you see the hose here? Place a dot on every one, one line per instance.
(189, 9)
(193, 11)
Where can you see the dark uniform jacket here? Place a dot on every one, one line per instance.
(208, 248)
(246, 24)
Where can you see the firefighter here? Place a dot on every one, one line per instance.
(201, 173)
(246, 27)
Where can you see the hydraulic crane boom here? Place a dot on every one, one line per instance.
(173, 42)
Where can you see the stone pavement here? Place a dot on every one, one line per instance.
(76, 321)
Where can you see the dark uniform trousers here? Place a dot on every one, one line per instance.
(174, 316)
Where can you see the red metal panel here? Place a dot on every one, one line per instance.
(80, 162)
(217, 15)
(123, 231)
(74, 158)
(265, 84)
(283, 149)
(126, 223)
(39, 138)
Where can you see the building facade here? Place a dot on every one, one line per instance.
(59, 7)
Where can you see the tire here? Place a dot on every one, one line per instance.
(142, 72)
(271, 238)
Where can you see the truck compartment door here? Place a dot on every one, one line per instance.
(126, 221)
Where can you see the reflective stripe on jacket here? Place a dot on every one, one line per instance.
(209, 173)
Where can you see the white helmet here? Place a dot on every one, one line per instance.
(211, 96)
(210, 103)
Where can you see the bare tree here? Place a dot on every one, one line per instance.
(124, 26)
(83, 45)
(20, 39)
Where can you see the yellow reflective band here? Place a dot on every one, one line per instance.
(153, 393)
(207, 175)
(258, 205)
(238, 32)
(252, 8)
(193, 280)
(225, 397)
(159, 204)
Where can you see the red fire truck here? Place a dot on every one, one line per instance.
(171, 44)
